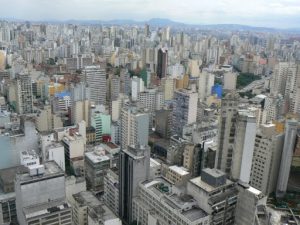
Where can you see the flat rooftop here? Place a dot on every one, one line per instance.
(86, 198)
(46, 208)
(7, 175)
(205, 186)
(95, 158)
(179, 170)
(51, 169)
(184, 204)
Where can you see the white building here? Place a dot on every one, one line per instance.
(266, 159)
(95, 78)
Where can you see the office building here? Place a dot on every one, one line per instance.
(230, 81)
(168, 87)
(74, 148)
(162, 62)
(184, 110)
(134, 168)
(168, 205)
(205, 84)
(40, 196)
(249, 202)
(88, 209)
(111, 189)
(8, 212)
(163, 122)
(95, 78)
(137, 86)
(134, 127)
(215, 194)
(102, 124)
(290, 134)
(24, 98)
(266, 159)
(177, 175)
(80, 111)
(227, 130)
(96, 165)
(244, 140)
(47, 121)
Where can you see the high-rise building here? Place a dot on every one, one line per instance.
(184, 110)
(215, 194)
(87, 209)
(230, 81)
(227, 130)
(147, 30)
(74, 146)
(248, 204)
(168, 205)
(206, 82)
(244, 139)
(134, 168)
(162, 62)
(137, 86)
(24, 96)
(95, 78)
(291, 128)
(279, 77)
(102, 124)
(96, 165)
(111, 189)
(47, 121)
(40, 196)
(266, 158)
(168, 86)
(134, 127)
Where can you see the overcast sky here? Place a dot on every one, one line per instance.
(271, 13)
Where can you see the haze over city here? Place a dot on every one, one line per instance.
(266, 13)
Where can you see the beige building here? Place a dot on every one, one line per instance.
(266, 159)
(47, 121)
(177, 175)
(88, 210)
(168, 85)
(230, 81)
(81, 111)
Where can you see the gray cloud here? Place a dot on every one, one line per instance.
(275, 13)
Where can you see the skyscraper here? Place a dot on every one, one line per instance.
(184, 109)
(24, 94)
(227, 131)
(95, 78)
(266, 158)
(134, 127)
(134, 168)
(287, 156)
(162, 62)
(244, 140)
(206, 82)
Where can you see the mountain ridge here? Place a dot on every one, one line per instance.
(161, 22)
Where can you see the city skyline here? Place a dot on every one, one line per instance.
(267, 13)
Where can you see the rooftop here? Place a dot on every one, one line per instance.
(86, 198)
(7, 175)
(51, 170)
(45, 208)
(176, 200)
(96, 157)
(180, 170)
(205, 186)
